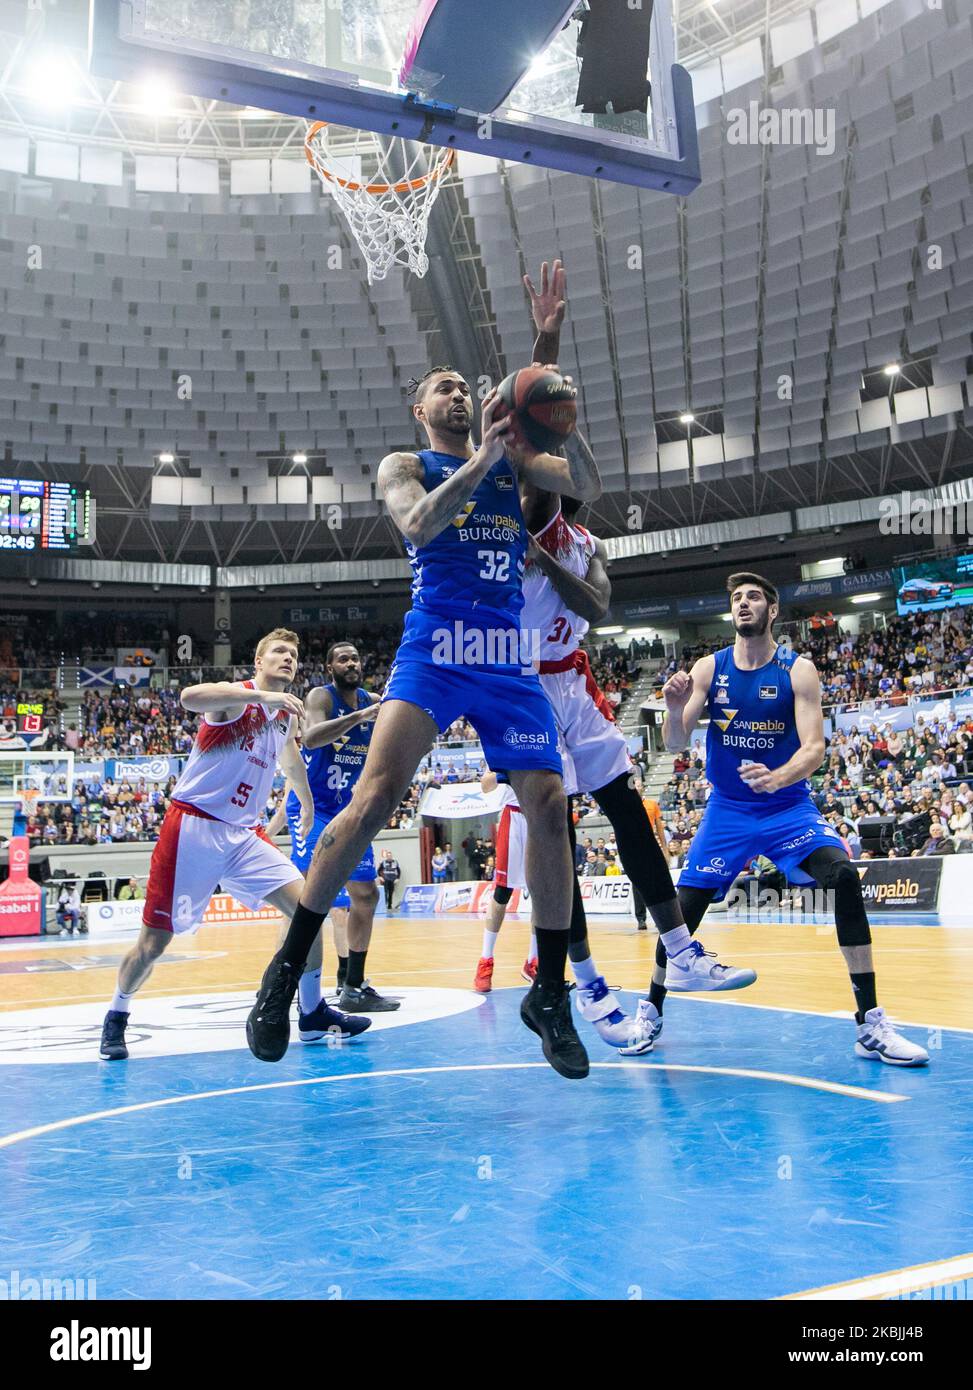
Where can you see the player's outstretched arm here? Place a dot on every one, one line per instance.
(685, 695)
(809, 718)
(590, 597)
(488, 783)
(222, 699)
(576, 475)
(422, 515)
(292, 765)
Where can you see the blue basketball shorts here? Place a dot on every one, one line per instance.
(505, 703)
(731, 834)
(303, 850)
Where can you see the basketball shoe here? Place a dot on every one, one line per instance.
(879, 1041)
(483, 981)
(325, 1022)
(546, 1010)
(113, 1047)
(695, 970)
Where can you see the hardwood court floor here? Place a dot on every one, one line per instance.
(925, 973)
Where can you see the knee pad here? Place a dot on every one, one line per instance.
(502, 895)
(841, 879)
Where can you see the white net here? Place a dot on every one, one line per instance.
(389, 212)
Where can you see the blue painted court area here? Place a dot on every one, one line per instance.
(443, 1158)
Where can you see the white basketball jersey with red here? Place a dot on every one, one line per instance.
(231, 769)
(545, 612)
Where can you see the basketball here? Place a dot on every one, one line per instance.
(545, 406)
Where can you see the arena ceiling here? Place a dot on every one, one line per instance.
(786, 262)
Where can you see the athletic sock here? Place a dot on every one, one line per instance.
(864, 987)
(552, 956)
(533, 946)
(121, 1003)
(304, 927)
(585, 971)
(342, 970)
(489, 943)
(657, 995)
(356, 969)
(676, 940)
(309, 991)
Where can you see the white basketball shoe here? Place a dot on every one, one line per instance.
(879, 1041)
(599, 1006)
(694, 970)
(645, 1028)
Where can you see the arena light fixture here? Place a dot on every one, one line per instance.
(608, 631)
(155, 95)
(865, 598)
(53, 74)
(299, 457)
(892, 369)
(167, 457)
(687, 417)
(726, 617)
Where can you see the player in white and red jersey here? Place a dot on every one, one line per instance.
(211, 833)
(508, 875)
(566, 587)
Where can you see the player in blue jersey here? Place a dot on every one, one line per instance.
(340, 717)
(462, 653)
(765, 738)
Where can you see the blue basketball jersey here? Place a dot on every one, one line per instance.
(333, 770)
(751, 716)
(474, 568)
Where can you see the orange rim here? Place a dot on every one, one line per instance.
(406, 186)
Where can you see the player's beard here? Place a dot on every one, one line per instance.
(756, 627)
(456, 424)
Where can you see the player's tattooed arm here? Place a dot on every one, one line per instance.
(685, 694)
(576, 475)
(589, 597)
(292, 764)
(809, 718)
(422, 515)
(547, 306)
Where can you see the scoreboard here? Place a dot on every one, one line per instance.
(37, 515)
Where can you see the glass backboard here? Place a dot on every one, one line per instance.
(355, 63)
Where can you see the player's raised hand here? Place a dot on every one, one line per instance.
(283, 699)
(677, 690)
(548, 304)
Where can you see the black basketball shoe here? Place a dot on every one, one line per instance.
(546, 1010)
(269, 1021)
(365, 1000)
(113, 1047)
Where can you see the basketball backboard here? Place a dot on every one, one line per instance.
(350, 62)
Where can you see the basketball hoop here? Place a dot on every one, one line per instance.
(389, 216)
